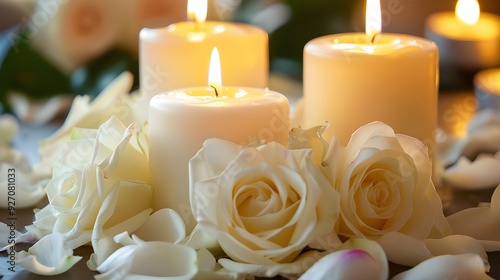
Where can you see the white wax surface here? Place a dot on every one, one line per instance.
(350, 82)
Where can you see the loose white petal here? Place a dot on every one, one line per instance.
(345, 265)
(150, 260)
(456, 245)
(482, 173)
(49, 256)
(465, 266)
(481, 223)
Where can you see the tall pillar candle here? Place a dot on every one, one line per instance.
(169, 57)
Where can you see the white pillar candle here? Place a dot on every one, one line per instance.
(350, 81)
(467, 38)
(169, 57)
(181, 120)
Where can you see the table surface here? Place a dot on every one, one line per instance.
(461, 104)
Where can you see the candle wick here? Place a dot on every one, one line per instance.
(216, 92)
(372, 41)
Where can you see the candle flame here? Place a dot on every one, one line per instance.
(214, 72)
(467, 11)
(197, 10)
(373, 19)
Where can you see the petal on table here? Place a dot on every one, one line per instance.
(150, 259)
(482, 173)
(481, 223)
(465, 266)
(355, 259)
(456, 245)
(49, 256)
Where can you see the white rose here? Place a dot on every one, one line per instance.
(263, 204)
(384, 181)
(99, 183)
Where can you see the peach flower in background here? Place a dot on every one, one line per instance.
(70, 33)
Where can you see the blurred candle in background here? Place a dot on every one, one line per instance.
(467, 38)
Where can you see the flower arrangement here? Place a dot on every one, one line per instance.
(309, 210)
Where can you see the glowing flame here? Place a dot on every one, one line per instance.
(373, 18)
(214, 72)
(467, 11)
(197, 10)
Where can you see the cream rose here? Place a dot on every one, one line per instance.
(98, 184)
(263, 204)
(384, 181)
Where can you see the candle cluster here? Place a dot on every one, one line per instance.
(350, 79)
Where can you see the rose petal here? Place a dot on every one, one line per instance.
(481, 223)
(125, 208)
(49, 256)
(456, 245)
(199, 239)
(163, 225)
(465, 266)
(414, 251)
(356, 259)
(482, 173)
(150, 260)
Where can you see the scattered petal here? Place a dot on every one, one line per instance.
(456, 245)
(49, 256)
(364, 259)
(481, 223)
(154, 260)
(465, 266)
(482, 173)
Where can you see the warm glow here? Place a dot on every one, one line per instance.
(214, 72)
(467, 11)
(373, 18)
(197, 10)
